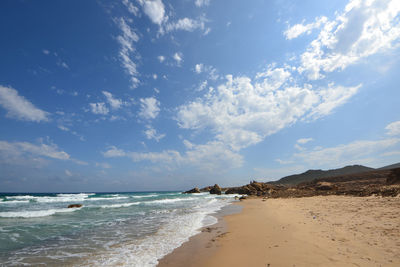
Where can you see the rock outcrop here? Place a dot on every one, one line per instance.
(206, 189)
(75, 206)
(394, 176)
(216, 190)
(192, 191)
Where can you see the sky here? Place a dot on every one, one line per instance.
(142, 95)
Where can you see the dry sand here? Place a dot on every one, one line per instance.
(314, 231)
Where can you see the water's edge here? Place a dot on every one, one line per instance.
(202, 245)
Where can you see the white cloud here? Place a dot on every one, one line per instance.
(149, 108)
(161, 59)
(200, 3)
(131, 8)
(304, 140)
(63, 64)
(353, 153)
(186, 24)
(103, 165)
(154, 9)
(242, 112)
(332, 97)
(45, 51)
(280, 161)
(298, 29)
(19, 107)
(210, 70)
(18, 149)
(127, 40)
(66, 129)
(155, 76)
(199, 68)
(68, 173)
(363, 29)
(99, 108)
(211, 156)
(393, 128)
(178, 57)
(152, 133)
(114, 152)
(114, 103)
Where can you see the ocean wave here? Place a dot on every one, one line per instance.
(35, 213)
(144, 196)
(104, 198)
(123, 205)
(64, 198)
(14, 201)
(170, 200)
(20, 197)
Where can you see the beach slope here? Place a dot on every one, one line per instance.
(313, 231)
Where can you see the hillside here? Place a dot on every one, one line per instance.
(392, 166)
(317, 174)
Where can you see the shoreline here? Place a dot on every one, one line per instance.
(310, 231)
(197, 250)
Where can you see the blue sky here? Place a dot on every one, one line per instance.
(139, 95)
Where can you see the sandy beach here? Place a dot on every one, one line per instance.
(313, 231)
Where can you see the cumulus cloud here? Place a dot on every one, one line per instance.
(126, 41)
(353, 153)
(29, 153)
(303, 141)
(211, 72)
(149, 108)
(242, 112)
(393, 128)
(364, 28)
(154, 9)
(186, 24)
(131, 8)
(161, 59)
(114, 102)
(152, 133)
(178, 57)
(18, 107)
(200, 3)
(207, 157)
(298, 29)
(99, 108)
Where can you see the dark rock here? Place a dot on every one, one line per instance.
(216, 190)
(324, 186)
(192, 191)
(242, 198)
(394, 176)
(75, 206)
(206, 189)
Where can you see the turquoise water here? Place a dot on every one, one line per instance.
(124, 229)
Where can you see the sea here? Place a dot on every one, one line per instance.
(110, 229)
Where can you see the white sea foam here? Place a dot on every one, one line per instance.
(35, 213)
(143, 196)
(20, 197)
(14, 201)
(170, 200)
(120, 205)
(147, 252)
(104, 198)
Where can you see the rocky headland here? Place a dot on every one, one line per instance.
(382, 182)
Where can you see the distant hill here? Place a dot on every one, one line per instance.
(392, 166)
(316, 174)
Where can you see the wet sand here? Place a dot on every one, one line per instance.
(314, 231)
